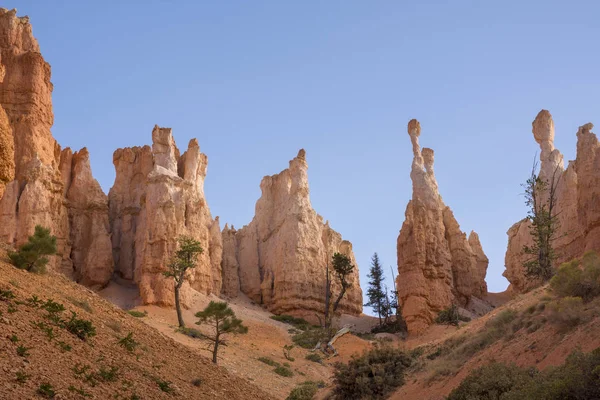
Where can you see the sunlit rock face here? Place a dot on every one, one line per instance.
(39, 182)
(437, 263)
(577, 202)
(280, 258)
(158, 196)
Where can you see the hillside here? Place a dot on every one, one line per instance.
(99, 367)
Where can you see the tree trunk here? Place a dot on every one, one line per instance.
(215, 350)
(178, 307)
(327, 296)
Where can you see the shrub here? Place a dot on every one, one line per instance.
(165, 386)
(22, 351)
(6, 295)
(374, 375)
(128, 342)
(287, 352)
(137, 314)
(299, 323)
(191, 332)
(491, 382)
(22, 377)
(81, 328)
(197, 382)
(46, 390)
(578, 278)
(268, 361)
(314, 357)
(108, 375)
(283, 371)
(53, 307)
(304, 391)
(448, 316)
(310, 338)
(566, 313)
(32, 256)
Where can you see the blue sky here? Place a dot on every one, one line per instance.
(256, 81)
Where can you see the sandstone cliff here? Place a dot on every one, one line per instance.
(577, 201)
(157, 196)
(39, 183)
(437, 264)
(279, 259)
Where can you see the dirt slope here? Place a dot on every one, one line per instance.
(84, 370)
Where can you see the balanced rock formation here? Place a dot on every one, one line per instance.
(577, 202)
(158, 195)
(39, 182)
(280, 258)
(437, 264)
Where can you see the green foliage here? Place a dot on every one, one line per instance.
(299, 323)
(64, 347)
(108, 375)
(79, 391)
(32, 256)
(310, 338)
(23, 351)
(191, 332)
(137, 314)
(52, 307)
(578, 378)
(22, 377)
(566, 313)
(305, 391)
(578, 278)
(128, 342)
(46, 390)
(81, 328)
(47, 329)
(314, 357)
(540, 198)
(268, 361)
(223, 320)
(165, 386)
(6, 295)
(34, 301)
(374, 375)
(449, 316)
(375, 293)
(287, 352)
(197, 382)
(491, 382)
(283, 371)
(14, 339)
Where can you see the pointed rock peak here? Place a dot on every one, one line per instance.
(164, 149)
(16, 31)
(301, 154)
(543, 128)
(414, 128)
(193, 144)
(585, 129)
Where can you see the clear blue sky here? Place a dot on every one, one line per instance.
(255, 81)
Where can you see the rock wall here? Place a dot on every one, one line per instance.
(279, 259)
(157, 196)
(437, 263)
(577, 202)
(39, 182)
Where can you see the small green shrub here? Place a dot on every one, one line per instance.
(81, 328)
(314, 357)
(64, 347)
(22, 351)
(309, 338)
(491, 382)
(197, 382)
(268, 361)
(373, 375)
(287, 352)
(108, 375)
(32, 256)
(128, 342)
(34, 301)
(137, 314)
(46, 390)
(22, 377)
(13, 339)
(79, 391)
(191, 332)
(305, 391)
(165, 386)
(299, 323)
(6, 295)
(578, 278)
(53, 307)
(449, 316)
(566, 313)
(47, 329)
(283, 371)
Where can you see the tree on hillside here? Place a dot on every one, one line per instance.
(375, 293)
(223, 320)
(540, 198)
(342, 268)
(32, 256)
(184, 259)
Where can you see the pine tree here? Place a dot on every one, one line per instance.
(31, 256)
(376, 295)
(184, 259)
(223, 320)
(342, 268)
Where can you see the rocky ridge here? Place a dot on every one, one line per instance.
(280, 258)
(437, 264)
(577, 201)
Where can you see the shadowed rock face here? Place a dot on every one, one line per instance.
(157, 196)
(577, 202)
(280, 258)
(437, 264)
(39, 183)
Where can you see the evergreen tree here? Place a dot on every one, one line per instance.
(185, 258)
(223, 320)
(540, 197)
(342, 268)
(32, 256)
(375, 293)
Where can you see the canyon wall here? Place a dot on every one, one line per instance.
(577, 202)
(437, 264)
(280, 258)
(39, 182)
(157, 196)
